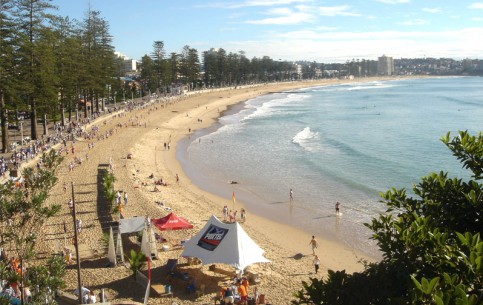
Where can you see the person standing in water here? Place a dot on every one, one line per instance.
(337, 210)
(291, 196)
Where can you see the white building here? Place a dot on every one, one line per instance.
(130, 65)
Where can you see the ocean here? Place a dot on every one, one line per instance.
(340, 143)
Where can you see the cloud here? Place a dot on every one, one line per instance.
(284, 16)
(292, 18)
(341, 10)
(342, 46)
(255, 3)
(393, 1)
(326, 28)
(280, 11)
(434, 10)
(477, 5)
(414, 22)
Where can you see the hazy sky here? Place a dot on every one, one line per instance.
(314, 30)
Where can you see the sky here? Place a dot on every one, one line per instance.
(326, 31)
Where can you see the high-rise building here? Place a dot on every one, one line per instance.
(385, 65)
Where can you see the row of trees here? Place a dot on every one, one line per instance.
(431, 243)
(48, 62)
(216, 68)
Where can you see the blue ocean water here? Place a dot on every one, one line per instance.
(341, 143)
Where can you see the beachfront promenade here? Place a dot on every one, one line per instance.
(141, 133)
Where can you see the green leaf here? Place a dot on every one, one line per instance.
(438, 300)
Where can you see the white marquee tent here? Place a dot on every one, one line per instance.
(225, 243)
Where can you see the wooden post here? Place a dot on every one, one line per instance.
(76, 241)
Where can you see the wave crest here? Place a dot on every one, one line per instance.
(305, 137)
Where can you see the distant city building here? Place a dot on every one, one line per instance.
(385, 65)
(298, 71)
(130, 65)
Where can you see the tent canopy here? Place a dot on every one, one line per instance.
(225, 243)
(171, 222)
(131, 225)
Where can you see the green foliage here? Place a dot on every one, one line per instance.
(23, 212)
(22, 209)
(137, 261)
(109, 191)
(47, 279)
(45, 57)
(431, 246)
(467, 149)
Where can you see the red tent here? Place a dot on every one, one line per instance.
(171, 222)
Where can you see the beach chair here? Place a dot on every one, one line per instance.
(171, 265)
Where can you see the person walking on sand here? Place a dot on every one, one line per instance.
(337, 211)
(118, 197)
(79, 225)
(316, 263)
(291, 196)
(125, 198)
(313, 244)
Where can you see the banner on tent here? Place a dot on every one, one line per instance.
(212, 237)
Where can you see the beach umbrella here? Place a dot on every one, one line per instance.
(171, 222)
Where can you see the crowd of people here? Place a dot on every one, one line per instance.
(230, 216)
(239, 293)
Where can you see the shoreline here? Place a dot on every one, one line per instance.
(293, 242)
(253, 203)
(143, 133)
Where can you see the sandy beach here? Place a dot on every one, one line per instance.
(142, 133)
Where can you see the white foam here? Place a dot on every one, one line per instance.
(307, 139)
(355, 86)
(304, 135)
(274, 106)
